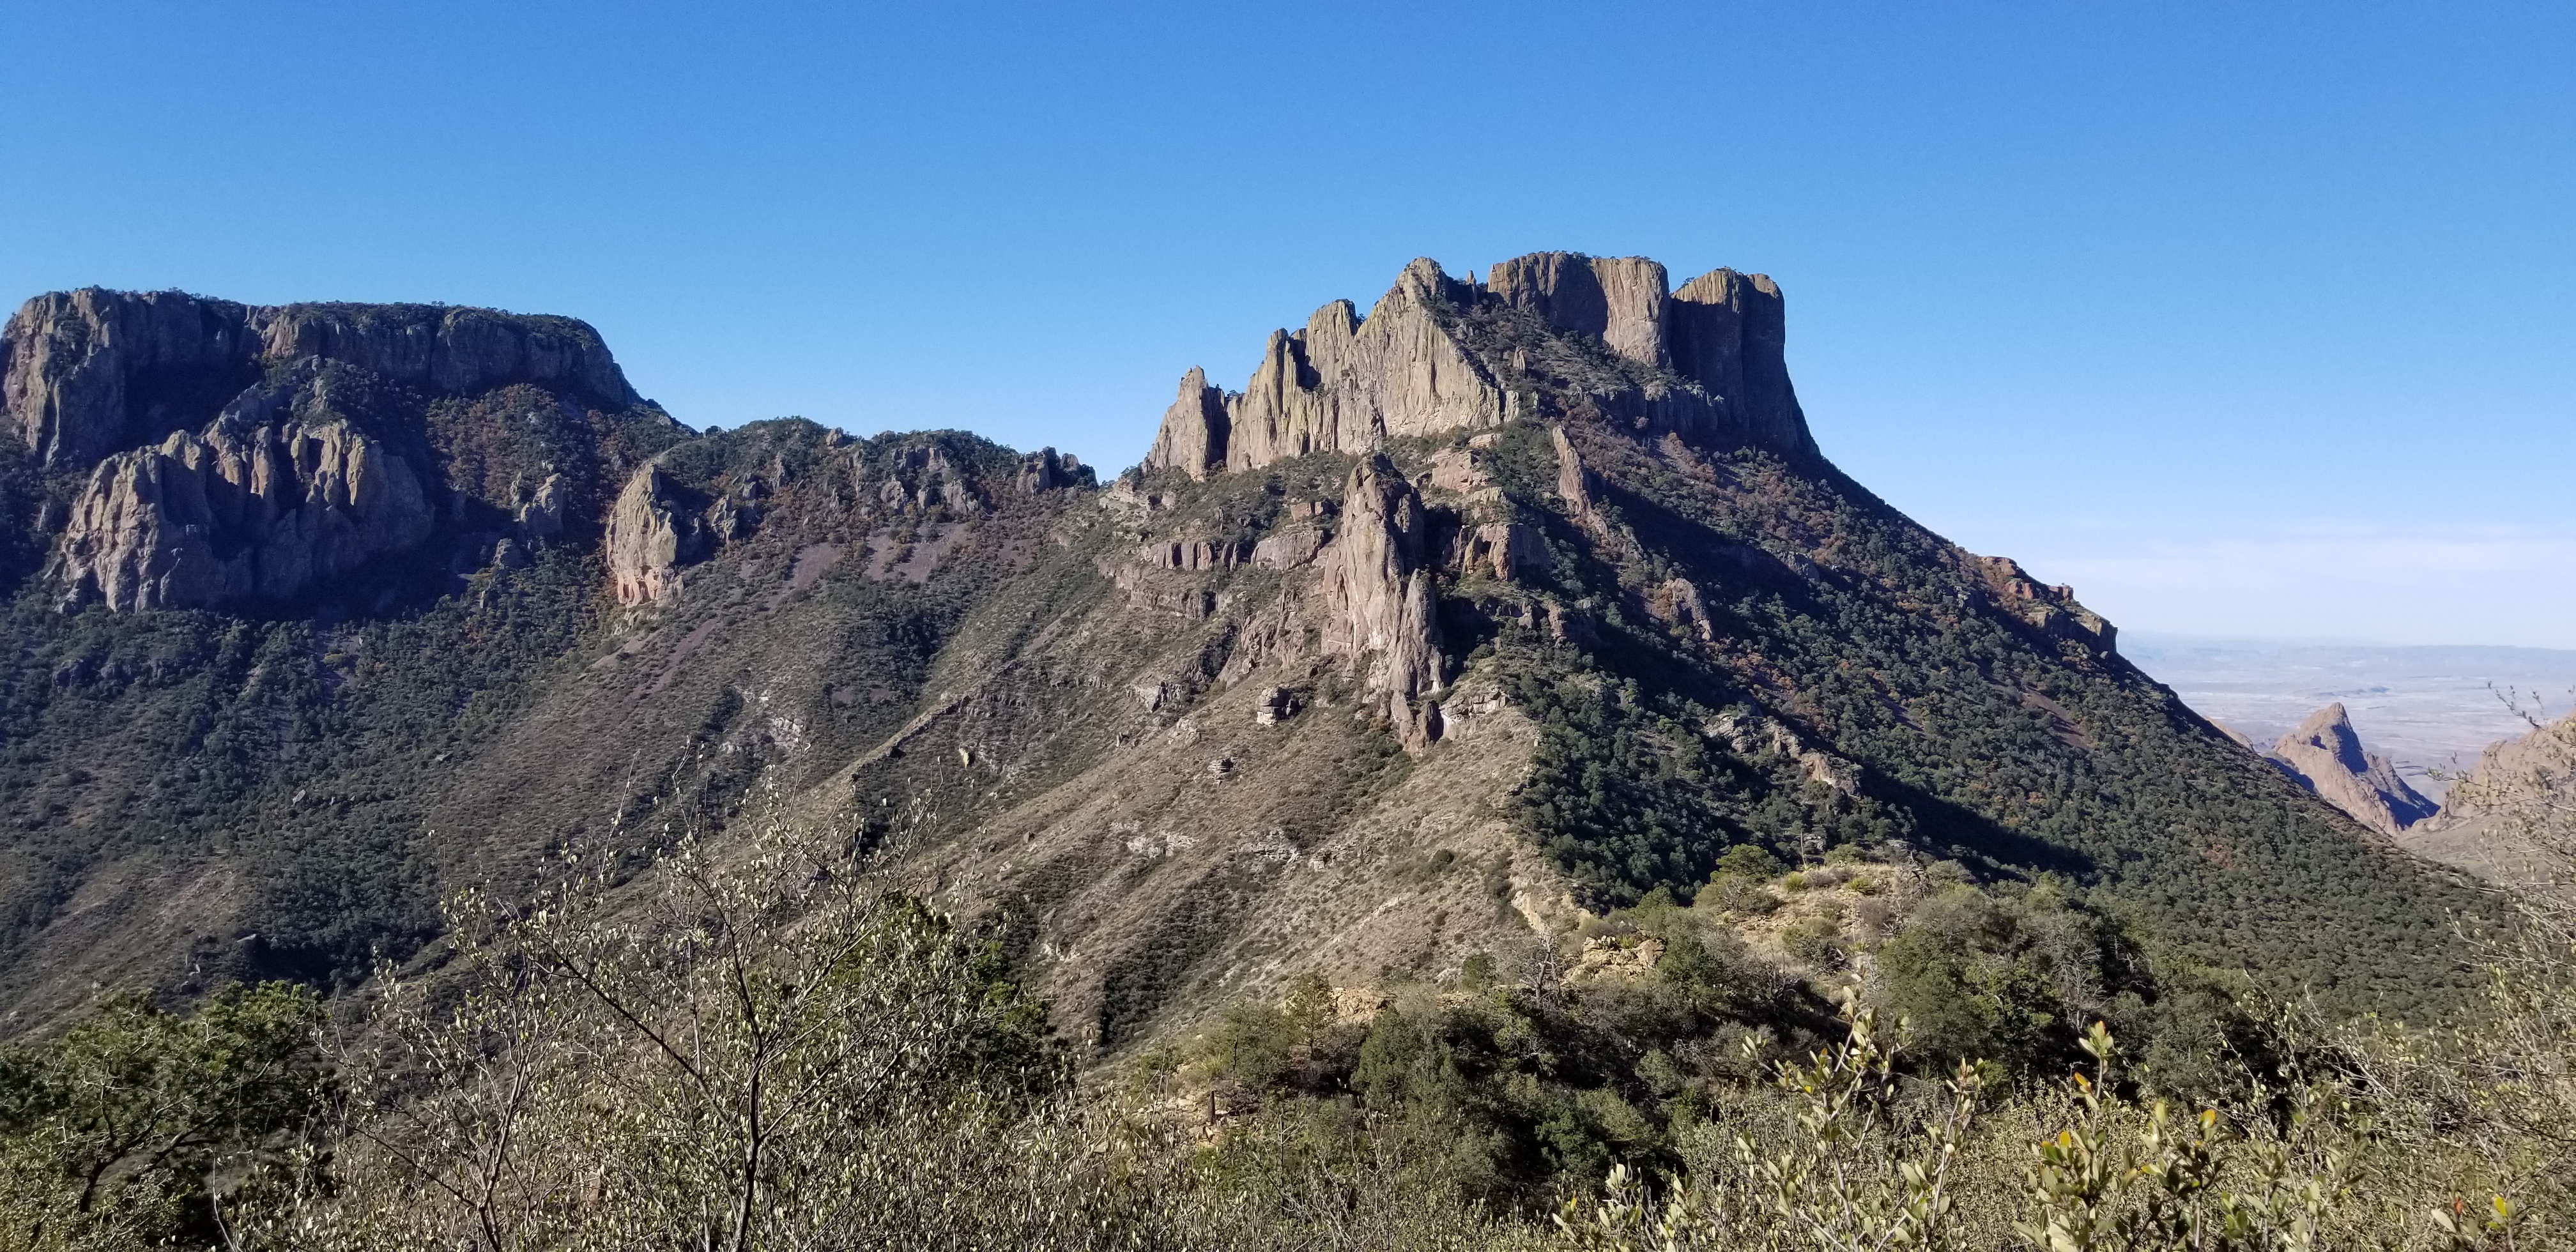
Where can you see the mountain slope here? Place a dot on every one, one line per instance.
(1507, 601)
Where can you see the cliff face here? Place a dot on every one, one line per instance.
(92, 371)
(279, 491)
(1437, 355)
(235, 451)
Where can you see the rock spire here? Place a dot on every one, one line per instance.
(2325, 755)
(1379, 589)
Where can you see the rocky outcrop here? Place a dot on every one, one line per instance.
(1342, 384)
(1192, 436)
(921, 480)
(1381, 605)
(237, 451)
(90, 372)
(1729, 333)
(1501, 550)
(2052, 611)
(2325, 755)
(93, 372)
(1288, 549)
(1574, 482)
(540, 513)
(280, 492)
(1677, 603)
(2507, 820)
(1618, 300)
(652, 533)
(1044, 471)
(1704, 363)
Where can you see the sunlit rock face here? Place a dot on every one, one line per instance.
(237, 451)
(1437, 354)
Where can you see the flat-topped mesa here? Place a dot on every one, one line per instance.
(1705, 362)
(236, 450)
(92, 372)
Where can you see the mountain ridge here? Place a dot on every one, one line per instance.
(1393, 667)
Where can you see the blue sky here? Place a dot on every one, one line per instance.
(2246, 319)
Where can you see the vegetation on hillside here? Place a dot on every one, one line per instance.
(1835, 626)
(759, 1046)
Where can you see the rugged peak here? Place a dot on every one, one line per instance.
(1436, 354)
(1192, 437)
(2325, 755)
(2328, 730)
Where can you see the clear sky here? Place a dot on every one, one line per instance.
(2245, 319)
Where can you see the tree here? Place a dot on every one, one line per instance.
(109, 1136)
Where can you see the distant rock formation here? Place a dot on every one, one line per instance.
(651, 535)
(2325, 755)
(1619, 300)
(93, 371)
(2052, 611)
(1380, 595)
(1437, 354)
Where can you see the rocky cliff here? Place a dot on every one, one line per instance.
(233, 451)
(1555, 331)
(2325, 756)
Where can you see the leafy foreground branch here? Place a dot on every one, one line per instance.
(762, 1049)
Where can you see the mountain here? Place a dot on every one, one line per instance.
(2324, 755)
(1507, 602)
